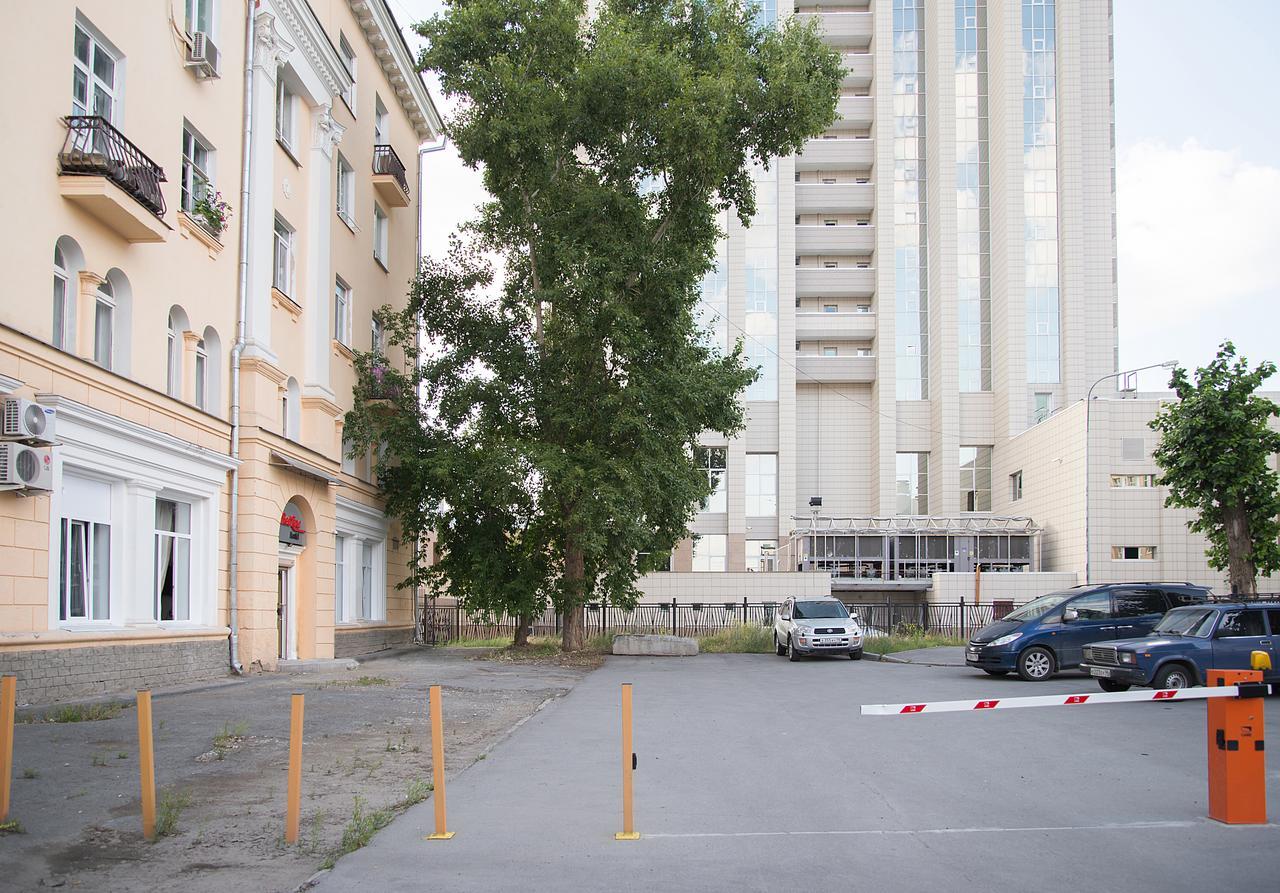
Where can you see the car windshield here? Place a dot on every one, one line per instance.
(1038, 607)
(819, 610)
(1185, 622)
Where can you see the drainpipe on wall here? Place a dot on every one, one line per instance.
(419, 610)
(242, 310)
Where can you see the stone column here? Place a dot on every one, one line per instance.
(86, 312)
(319, 275)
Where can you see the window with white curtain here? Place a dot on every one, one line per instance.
(366, 581)
(341, 312)
(713, 459)
(282, 267)
(173, 360)
(202, 375)
(339, 575)
(762, 484)
(346, 190)
(95, 82)
(104, 325)
(379, 235)
(63, 295)
(172, 560)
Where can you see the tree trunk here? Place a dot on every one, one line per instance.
(523, 623)
(574, 634)
(1241, 572)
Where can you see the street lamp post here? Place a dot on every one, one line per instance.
(1088, 411)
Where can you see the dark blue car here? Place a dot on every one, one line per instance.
(1187, 642)
(1049, 633)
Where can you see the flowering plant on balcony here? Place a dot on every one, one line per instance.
(212, 211)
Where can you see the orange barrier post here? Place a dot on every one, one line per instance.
(442, 831)
(628, 767)
(293, 812)
(146, 765)
(8, 700)
(1237, 759)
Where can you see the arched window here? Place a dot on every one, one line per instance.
(68, 262)
(104, 321)
(291, 410)
(112, 323)
(209, 372)
(178, 325)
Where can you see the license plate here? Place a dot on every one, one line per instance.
(829, 642)
(1100, 671)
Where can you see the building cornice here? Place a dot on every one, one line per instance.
(304, 28)
(383, 34)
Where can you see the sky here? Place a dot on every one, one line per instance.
(1197, 179)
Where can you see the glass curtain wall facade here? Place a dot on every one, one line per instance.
(909, 235)
(1040, 178)
(712, 311)
(973, 227)
(761, 343)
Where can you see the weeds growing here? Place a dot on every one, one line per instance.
(894, 643)
(79, 713)
(741, 639)
(169, 810)
(229, 738)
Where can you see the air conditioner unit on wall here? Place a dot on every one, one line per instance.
(203, 56)
(25, 468)
(27, 422)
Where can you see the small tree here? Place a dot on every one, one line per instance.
(1215, 454)
(552, 447)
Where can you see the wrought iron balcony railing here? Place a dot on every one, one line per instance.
(94, 147)
(386, 161)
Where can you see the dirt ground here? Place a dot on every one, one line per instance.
(76, 789)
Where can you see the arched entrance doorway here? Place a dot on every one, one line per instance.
(297, 526)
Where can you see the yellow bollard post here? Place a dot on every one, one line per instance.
(628, 767)
(442, 831)
(8, 700)
(146, 765)
(293, 812)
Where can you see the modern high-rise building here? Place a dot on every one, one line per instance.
(923, 282)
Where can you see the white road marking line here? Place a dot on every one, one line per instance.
(906, 832)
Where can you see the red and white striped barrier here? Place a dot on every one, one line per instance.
(1120, 697)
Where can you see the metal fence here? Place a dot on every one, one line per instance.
(449, 623)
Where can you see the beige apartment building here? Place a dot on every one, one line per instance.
(175, 496)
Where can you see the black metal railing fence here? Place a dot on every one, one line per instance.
(94, 147)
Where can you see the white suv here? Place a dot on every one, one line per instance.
(816, 625)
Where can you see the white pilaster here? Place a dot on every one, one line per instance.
(319, 275)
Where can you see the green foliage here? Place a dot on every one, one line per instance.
(741, 639)
(546, 437)
(918, 639)
(79, 713)
(169, 810)
(1215, 457)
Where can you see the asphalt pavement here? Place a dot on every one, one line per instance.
(760, 774)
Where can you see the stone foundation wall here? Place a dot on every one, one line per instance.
(54, 674)
(355, 642)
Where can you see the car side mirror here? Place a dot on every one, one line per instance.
(853, 616)
(1070, 614)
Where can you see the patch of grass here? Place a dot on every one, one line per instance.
(474, 642)
(417, 792)
(122, 755)
(894, 643)
(99, 759)
(741, 639)
(13, 826)
(359, 830)
(79, 713)
(229, 738)
(30, 773)
(169, 810)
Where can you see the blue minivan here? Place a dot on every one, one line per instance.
(1049, 633)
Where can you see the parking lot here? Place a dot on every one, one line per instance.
(758, 774)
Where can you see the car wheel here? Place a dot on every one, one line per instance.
(792, 654)
(995, 672)
(1036, 664)
(855, 655)
(1112, 685)
(1173, 676)
(778, 648)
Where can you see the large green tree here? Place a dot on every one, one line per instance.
(546, 431)
(1215, 455)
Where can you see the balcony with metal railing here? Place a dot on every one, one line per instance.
(389, 177)
(112, 179)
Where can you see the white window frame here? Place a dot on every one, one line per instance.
(381, 226)
(94, 509)
(717, 475)
(339, 576)
(831, 351)
(361, 527)
(113, 92)
(342, 300)
(348, 56)
(63, 331)
(282, 257)
(346, 192)
(1015, 486)
(104, 304)
(377, 335)
(194, 10)
(1120, 553)
(286, 113)
(193, 146)
(173, 360)
(175, 537)
(381, 123)
(710, 553)
(202, 376)
(762, 485)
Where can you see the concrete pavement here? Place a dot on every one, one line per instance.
(756, 774)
